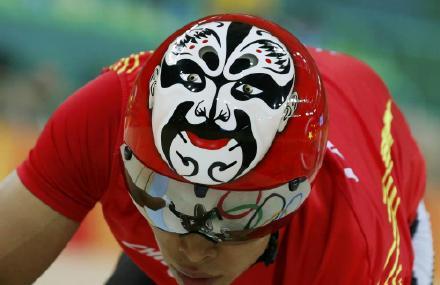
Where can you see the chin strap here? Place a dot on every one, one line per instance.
(270, 253)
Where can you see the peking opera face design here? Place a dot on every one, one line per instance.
(220, 95)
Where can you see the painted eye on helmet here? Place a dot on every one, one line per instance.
(248, 89)
(192, 77)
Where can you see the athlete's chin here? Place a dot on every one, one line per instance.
(184, 280)
(217, 281)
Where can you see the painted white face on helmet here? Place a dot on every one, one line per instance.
(222, 91)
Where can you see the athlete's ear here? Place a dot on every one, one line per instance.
(290, 108)
(152, 86)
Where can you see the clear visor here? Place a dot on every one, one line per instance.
(220, 215)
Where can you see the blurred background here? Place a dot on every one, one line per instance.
(48, 48)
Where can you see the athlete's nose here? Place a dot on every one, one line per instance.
(197, 249)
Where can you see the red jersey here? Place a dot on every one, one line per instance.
(353, 229)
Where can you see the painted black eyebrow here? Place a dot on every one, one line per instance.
(185, 65)
(200, 33)
(189, 66)
(171, 74)
(270, 47)
(265, 44)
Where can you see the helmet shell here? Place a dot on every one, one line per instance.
(295, 152)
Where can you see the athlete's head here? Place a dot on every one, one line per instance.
(224, 133)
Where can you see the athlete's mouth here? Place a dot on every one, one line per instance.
(211, 144)
(195, 278)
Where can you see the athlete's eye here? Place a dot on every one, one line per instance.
(193, 77)
(248, 89)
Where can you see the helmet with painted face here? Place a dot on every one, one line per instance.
(225, 129)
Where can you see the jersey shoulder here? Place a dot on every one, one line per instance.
(128, 67)
(335, 64)
(327, 226)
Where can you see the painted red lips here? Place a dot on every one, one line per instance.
(205, 143)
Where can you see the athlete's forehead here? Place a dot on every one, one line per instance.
(235, 49)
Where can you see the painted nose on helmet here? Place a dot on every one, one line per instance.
(219, 110)
(214, 106)
(196, 248)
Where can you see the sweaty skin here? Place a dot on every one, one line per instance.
(205, 262)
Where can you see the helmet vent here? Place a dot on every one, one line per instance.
(128, 154)
(200, 190)
(293, 184)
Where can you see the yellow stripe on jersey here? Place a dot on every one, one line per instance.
(391, 200)
(127, 64)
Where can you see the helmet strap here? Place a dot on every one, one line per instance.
(270, 253)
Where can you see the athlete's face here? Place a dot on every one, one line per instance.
(195, 260)
(218, 99)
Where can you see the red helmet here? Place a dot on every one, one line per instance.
(228, 102)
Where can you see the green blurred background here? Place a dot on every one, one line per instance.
(48, 48)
